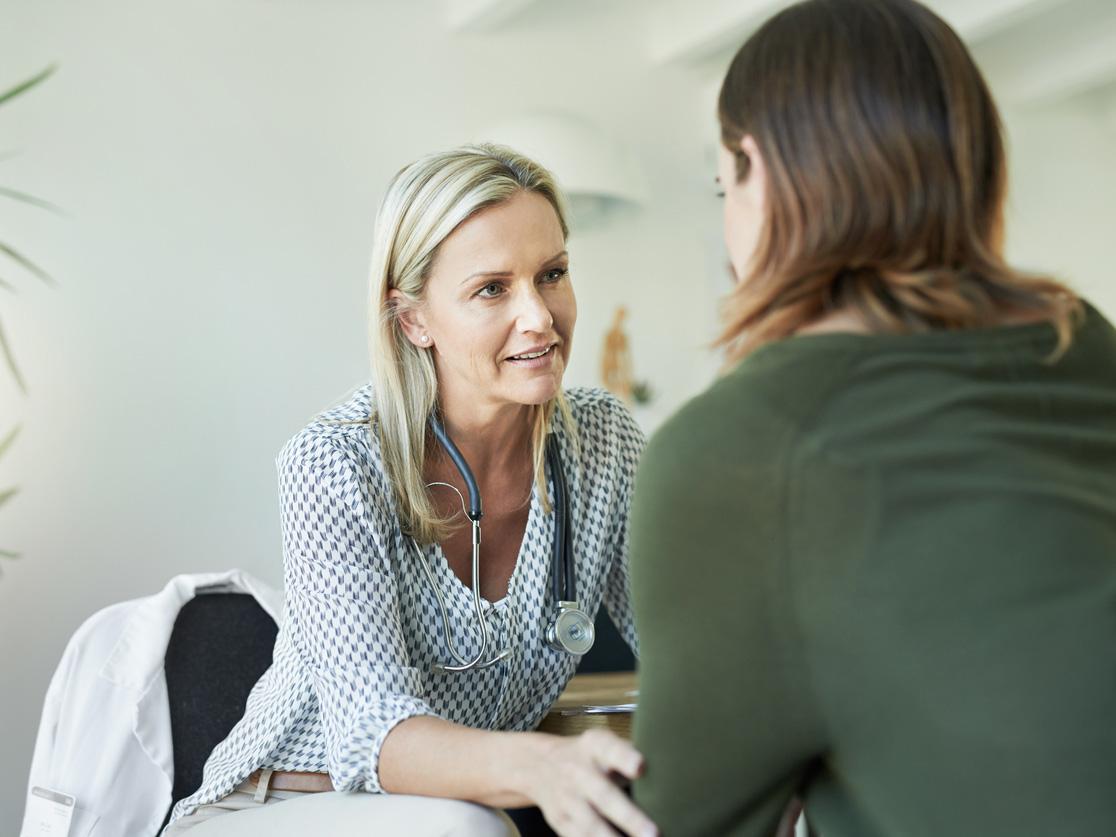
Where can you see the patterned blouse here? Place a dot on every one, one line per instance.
(362, 629)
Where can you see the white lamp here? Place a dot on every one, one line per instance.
(593, 171)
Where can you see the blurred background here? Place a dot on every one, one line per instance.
(219, 164)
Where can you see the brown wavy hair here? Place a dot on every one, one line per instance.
(886, 178)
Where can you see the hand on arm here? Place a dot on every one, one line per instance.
(572, 780)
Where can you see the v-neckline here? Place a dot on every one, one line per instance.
(461, 588)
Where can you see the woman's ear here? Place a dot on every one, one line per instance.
(410, 319)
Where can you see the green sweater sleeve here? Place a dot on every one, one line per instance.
(726, 720)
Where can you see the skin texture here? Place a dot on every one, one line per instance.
(500, 287)
(745, 203)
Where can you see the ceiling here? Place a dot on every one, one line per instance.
(1035, 52)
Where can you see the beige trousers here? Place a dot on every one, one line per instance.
(249, 811)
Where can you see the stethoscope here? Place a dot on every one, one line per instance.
(571, 630)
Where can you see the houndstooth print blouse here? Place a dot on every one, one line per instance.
(362, 629)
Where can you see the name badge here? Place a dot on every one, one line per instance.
(48, 813)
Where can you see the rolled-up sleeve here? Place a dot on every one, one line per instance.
(342, 610)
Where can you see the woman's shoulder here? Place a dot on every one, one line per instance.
(594, 404)
(772, 401)
(603, 421)
(338, 438)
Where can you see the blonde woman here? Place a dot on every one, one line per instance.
(904, 484)
(414, 661)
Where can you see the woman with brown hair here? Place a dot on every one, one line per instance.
(875, 563)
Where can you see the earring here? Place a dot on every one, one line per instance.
(426, 338)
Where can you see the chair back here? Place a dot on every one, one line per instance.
(220, 646)
(609, 652)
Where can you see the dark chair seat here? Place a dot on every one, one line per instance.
(220, 646)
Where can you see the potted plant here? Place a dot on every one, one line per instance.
(10, 256)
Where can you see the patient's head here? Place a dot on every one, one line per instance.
(863, 167)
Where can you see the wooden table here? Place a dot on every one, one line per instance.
(573, 712)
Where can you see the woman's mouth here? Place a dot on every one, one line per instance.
(535, 359)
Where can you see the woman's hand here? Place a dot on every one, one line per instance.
(575, 784)
(574, 780)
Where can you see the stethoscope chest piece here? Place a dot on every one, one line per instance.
(572, 630)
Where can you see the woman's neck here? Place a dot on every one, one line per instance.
(849, 321)
(489, 437)
(842, 320)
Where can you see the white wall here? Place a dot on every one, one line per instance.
(221, 163)
(1062, 205)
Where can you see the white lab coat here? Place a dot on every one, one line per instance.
(105, 735)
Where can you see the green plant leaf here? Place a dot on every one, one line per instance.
(5, 553)
(10, 358)
(24, 86)
(29, 266)
(6, 442)
(26, 263)
(23, 197)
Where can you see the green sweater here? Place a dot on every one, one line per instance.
(880, 572)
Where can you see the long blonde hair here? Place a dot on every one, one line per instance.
(425, 202)
(887, 178)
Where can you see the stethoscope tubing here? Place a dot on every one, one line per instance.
(563, 581)
(474, 511)
(463, 664)
(563, 578)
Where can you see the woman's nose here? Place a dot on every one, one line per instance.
(532, 313)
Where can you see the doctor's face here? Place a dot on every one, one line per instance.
(499, 309)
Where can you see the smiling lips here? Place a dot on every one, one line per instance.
(539, 356)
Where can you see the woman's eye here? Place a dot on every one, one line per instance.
(491, 290)
(556, 274)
